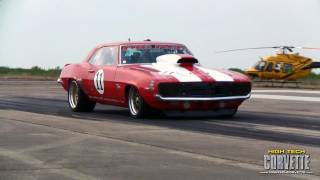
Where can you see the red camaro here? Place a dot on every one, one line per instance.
(151, 77)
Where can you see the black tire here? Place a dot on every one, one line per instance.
(78, 100)
(138, 108)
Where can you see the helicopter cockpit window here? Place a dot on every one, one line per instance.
(260, 65)
(288, 68)
(270, 67)
(277, 67)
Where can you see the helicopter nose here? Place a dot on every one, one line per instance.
(251, 69)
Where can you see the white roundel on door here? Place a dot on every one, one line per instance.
(99, 81)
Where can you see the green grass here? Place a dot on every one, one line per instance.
(311, 76)
(34, 71)
(312, 79)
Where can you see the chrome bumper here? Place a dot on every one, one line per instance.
(202, 98)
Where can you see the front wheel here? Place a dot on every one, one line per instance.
(137, 106)
(78, 100)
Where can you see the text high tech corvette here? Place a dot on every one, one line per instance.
(151, 77)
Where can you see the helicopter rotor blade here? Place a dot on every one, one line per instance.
(244, 49)
(309, 48)
(289, 48)
(300, 47)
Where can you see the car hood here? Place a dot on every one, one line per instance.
(185, 68)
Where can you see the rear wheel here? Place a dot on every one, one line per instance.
(78, 100)
(137, 106)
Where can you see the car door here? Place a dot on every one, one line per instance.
(102, 74)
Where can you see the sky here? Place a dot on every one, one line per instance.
(51, 33)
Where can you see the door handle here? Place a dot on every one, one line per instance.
(91, 71)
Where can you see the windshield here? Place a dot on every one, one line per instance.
(132, 54)
(260, 65)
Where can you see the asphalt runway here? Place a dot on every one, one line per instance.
(40, 138)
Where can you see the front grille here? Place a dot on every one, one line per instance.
(201, 89)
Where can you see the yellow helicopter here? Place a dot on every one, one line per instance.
(284, 65)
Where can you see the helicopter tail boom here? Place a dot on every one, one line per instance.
(313, 65)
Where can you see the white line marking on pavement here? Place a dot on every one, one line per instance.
(285, 91)
(288, 98)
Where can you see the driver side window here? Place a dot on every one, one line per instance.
(96, 57)
(105, 56)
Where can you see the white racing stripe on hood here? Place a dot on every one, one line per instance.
(216, 75)
(180, 73)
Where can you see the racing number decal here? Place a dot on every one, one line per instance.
(99, 81)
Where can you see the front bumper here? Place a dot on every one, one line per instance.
(159, 97)
(195, 103)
